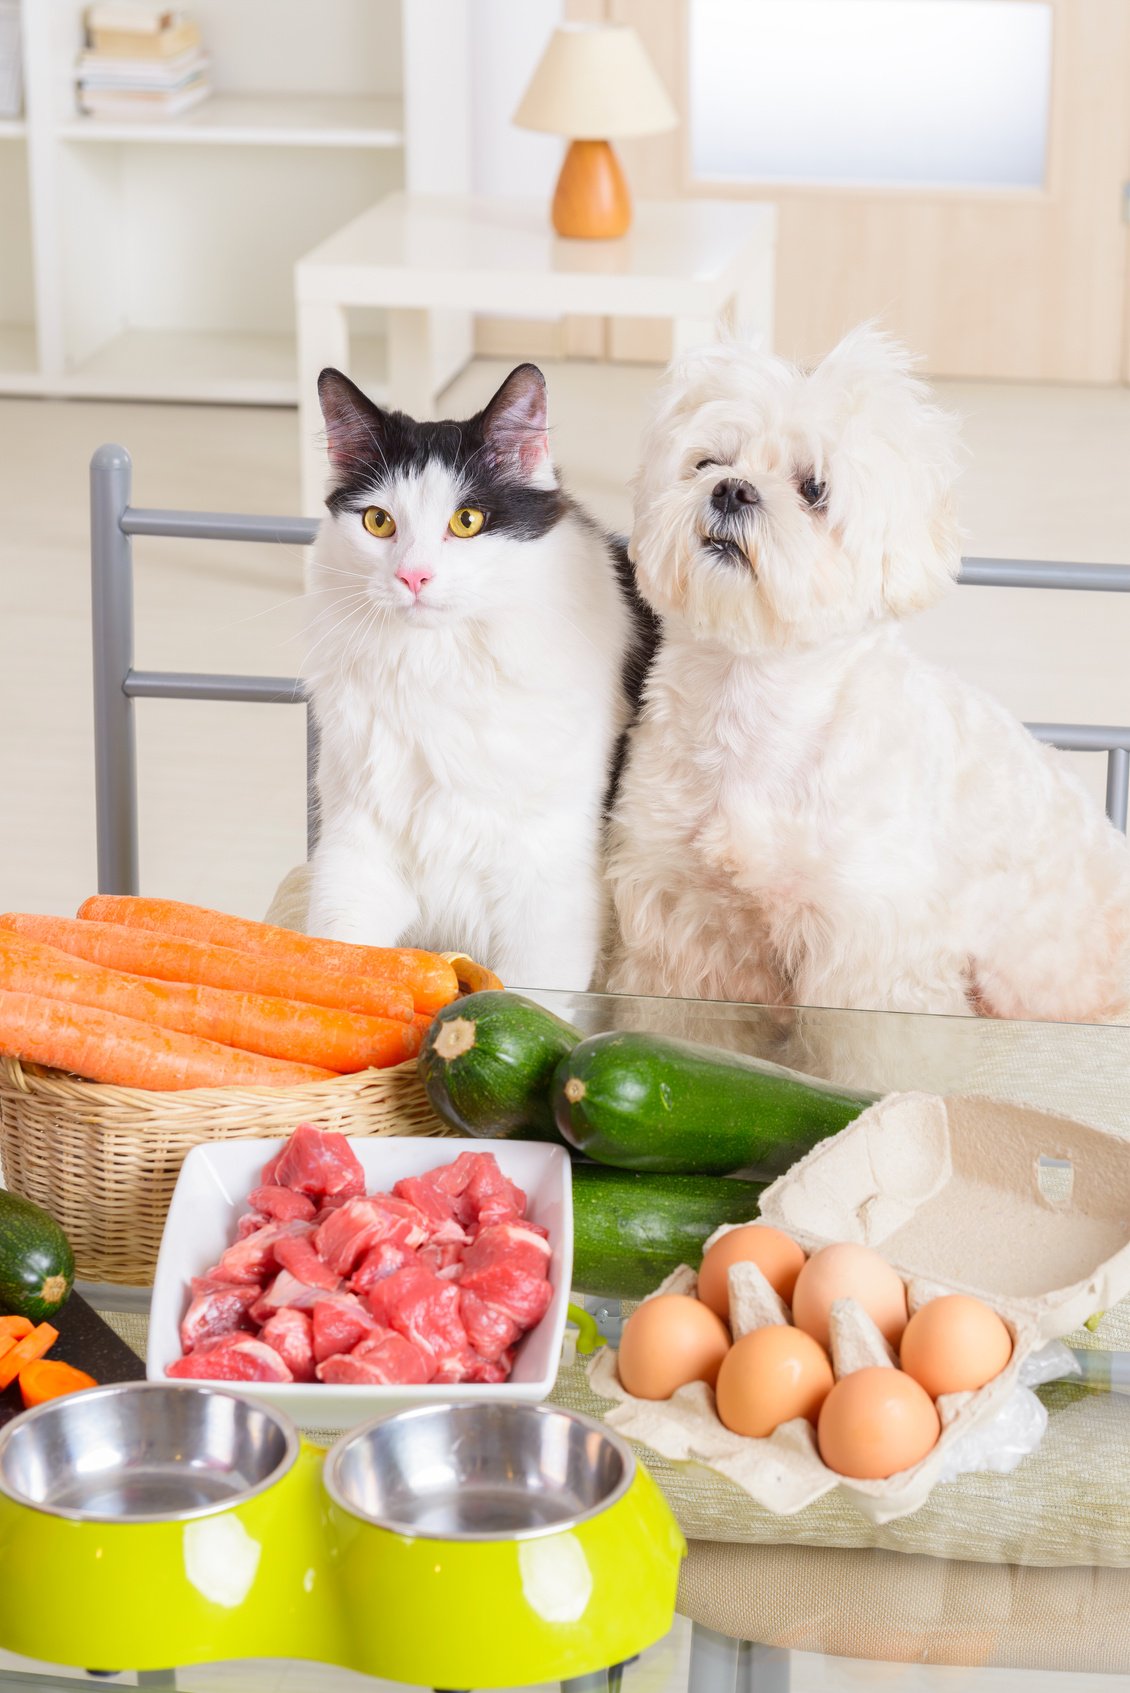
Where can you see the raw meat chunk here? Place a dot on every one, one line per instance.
(444, 1257)
(291, 1334)
(345, 1237)
(350, 1370)
(286, 1291)
(267, 1176)
(505, 1268)
(253, 1259)
(523, 1296)
(487, 1370)
(216, 1309)
(299, 1257)
(231, 1359)
(249, 1223)
(482, 1194)
(396, 1356)
(282, 1203)
(426, 1311)
(329, 1206)
(320, 1163)
(437, 1206)
(380, 1261)
(512, 1243)
(340, 1321)
(490, 1329)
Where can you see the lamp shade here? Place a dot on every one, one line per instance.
(593, 82)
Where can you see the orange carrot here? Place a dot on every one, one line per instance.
(26, 1351)
(104, 1047)
(430, 979)
(48, 1378)
(277, 1028)
(6, 1344)
(14, 1328)
(171, 959)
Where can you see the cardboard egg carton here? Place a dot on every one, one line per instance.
(1027, 1211)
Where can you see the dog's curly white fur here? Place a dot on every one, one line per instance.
(810, 813)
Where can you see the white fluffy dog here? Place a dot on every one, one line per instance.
(810, 813)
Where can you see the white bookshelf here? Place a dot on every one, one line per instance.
(154, 260)
(260, 120)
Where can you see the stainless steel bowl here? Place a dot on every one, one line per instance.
(144, 1452)
(479, 1472)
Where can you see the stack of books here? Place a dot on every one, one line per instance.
(143, 60)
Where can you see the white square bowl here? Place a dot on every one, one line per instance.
(212, 1194)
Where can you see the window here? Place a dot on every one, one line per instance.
(943, 93)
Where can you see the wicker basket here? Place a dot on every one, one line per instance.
(104, 1160)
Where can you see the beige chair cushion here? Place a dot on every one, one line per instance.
(911, 1609)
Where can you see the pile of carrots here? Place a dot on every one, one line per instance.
(23, 1346)
(152, 993)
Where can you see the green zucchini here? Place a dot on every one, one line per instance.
(643, 1102)
(631, 1229)
(487, 1065)
(37, 1266)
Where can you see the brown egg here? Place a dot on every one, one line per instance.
(777, 1257)
(848, 1271)
(875, 1423)
(769, 1376)
(954, 1345)
(669, 1341)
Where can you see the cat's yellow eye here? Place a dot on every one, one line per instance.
(379, 522)
(466, 521)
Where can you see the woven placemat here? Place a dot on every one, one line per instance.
(1067, 1504)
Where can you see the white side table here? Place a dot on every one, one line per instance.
(419, 256)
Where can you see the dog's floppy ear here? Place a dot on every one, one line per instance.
(900, 451)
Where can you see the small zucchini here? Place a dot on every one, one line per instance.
(487, 1065)
(37, 1266)
(644, 1102)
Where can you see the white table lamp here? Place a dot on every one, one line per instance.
(594, 81)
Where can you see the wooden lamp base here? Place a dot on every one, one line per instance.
(591, 201)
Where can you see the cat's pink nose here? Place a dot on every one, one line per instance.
(414, 579)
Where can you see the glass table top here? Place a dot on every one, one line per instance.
(1028, 1570)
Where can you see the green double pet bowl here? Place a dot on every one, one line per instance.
(144, 1526)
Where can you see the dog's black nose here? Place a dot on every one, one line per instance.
(731, 494)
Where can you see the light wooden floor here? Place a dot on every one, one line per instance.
(222, 787)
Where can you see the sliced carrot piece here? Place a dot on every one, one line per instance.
(26, 1351)
(15, 1327)
(49, 1378)
(7, 1342)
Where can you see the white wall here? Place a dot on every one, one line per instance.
(507, 40)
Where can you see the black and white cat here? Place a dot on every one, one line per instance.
(478, 651)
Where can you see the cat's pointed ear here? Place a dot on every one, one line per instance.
(515, 427)
(354, 425)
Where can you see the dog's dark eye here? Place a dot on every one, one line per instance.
(703, 463)
(813, 492)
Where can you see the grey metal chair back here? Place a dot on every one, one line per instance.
(113, 524)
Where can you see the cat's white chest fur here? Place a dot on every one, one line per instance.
(468, 640)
